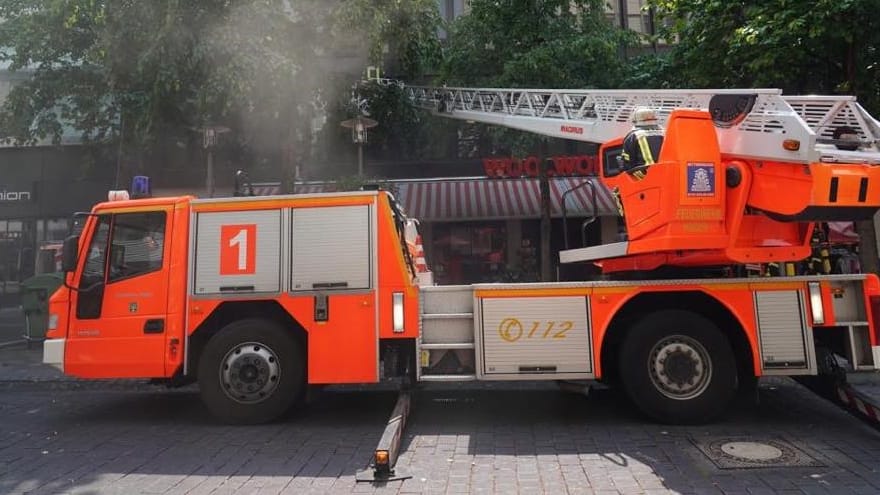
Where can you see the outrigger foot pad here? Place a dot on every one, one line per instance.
(385, 456)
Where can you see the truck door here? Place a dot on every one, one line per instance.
(118, 323)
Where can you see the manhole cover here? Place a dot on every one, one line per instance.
(752, 451)
(741, 453)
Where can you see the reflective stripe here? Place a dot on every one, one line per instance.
(642, 139)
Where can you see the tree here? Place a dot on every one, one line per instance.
(549, 43)
(533, 44)
(801, 46)
(151, 73)
(400, 33)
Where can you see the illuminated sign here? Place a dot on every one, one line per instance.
(13, 196)
(559, 166)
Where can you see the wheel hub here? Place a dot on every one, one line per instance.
(680, 367)
(249, 372)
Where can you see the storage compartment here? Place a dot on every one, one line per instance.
(331, 248)
(237, 252)
(786, 346)
(536, 337)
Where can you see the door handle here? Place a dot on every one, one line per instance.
(154, 326)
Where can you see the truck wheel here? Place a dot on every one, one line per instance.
(678, 367)
(251, 372)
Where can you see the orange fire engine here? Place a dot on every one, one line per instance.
(256, 298)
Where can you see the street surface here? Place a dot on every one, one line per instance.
(59, 435)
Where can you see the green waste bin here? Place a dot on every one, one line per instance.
(35, 303)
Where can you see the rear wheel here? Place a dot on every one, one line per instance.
(678, 367)
(251, 372)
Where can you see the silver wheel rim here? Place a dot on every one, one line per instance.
(680, 367)
(249, 373)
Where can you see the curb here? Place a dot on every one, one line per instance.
(12, 343)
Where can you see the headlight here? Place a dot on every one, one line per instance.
(53, 321)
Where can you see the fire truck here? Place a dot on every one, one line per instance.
(258, 298)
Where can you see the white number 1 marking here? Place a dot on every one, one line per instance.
(240, 241)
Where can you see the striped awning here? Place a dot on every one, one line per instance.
(483, 198)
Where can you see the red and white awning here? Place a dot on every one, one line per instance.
(489, 199)
(484, 199)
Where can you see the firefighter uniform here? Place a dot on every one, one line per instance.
(641, 146)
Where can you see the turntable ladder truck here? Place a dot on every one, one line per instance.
(742, 176)
(258, 298)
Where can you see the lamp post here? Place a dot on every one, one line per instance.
(209, 140)
(359, 126)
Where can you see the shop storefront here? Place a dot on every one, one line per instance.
(488, 230)
(40, 189)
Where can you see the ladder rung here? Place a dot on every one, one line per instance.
(447, 316)
(450, 345)
(447, 378)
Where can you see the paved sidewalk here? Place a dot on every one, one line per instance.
(12, 325)
(22, 363)
(60, 435)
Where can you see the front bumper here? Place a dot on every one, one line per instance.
(53, 353)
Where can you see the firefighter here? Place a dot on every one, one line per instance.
(641, 146)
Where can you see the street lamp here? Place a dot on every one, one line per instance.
(359, 126)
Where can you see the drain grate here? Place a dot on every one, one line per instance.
(747, 452)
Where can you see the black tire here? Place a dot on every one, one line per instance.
(703, 377)
(252, 371)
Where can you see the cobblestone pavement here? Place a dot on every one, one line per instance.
(62, 436)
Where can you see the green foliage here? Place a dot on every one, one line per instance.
(163, 67)
(151, 73)
(404, 131)
(404, 31)
(801, 46)
(519, 43)
(532, 44)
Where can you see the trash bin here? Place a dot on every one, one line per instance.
(35, 303)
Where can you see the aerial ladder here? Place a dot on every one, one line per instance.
(742, 176)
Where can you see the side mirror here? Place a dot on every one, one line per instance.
(69, 253)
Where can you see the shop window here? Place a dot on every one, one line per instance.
(16, 257)
(469, 252)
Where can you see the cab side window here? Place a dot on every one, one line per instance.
(96, 260)
(138, 244)
(612, 161)
(92, 280)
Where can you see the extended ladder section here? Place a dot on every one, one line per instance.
(751, 123)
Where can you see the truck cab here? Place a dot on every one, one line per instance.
(118, 313)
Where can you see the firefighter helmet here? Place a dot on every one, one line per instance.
(644, 116)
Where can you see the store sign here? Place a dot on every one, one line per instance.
(13, 196)
(529, 167)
